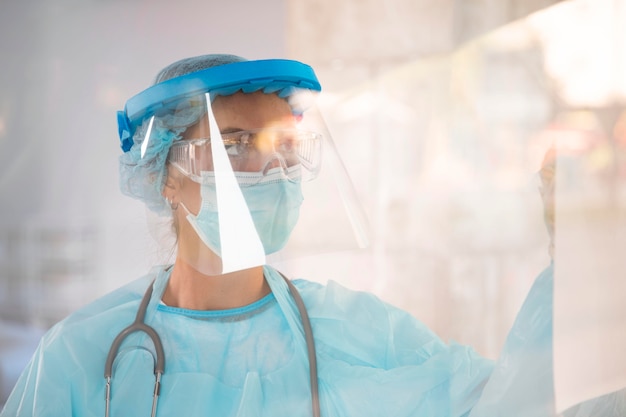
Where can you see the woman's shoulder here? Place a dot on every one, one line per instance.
(114, 309)
(364, 317)
(335, 298)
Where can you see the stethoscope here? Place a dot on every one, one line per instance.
(139, 325)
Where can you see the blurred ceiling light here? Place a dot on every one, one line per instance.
(584, 50)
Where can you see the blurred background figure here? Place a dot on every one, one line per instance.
(442, 111)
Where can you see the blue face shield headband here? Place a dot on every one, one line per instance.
(279, 76)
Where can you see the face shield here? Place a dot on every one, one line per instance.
(248, 166)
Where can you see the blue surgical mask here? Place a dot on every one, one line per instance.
(274, 203)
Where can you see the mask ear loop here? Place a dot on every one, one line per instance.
(184, 208)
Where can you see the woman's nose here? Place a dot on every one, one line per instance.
(275, 160)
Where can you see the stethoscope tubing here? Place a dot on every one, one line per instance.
(137, 326)
(310, 346)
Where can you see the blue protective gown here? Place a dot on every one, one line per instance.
(373, 359)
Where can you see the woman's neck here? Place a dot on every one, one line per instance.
(190, 289)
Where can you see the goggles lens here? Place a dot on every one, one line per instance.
(253, 151)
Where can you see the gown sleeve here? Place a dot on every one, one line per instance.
(375, 359)
(462, 371)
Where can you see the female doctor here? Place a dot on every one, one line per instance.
(225, 146)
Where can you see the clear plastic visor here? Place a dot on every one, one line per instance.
(252, 180)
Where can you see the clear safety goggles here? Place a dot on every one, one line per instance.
(257, 150)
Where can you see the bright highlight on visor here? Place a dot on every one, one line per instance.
(240, 243)
(144, 145)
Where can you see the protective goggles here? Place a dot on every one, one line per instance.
(297, 152)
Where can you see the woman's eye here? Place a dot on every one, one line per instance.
(238, 145)
(246, 138)
(199, 148)
(286, 144)
(234, 149)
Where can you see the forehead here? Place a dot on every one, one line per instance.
(250, 111)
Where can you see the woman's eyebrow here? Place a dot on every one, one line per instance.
(230, 130)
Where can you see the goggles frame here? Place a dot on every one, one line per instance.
(188, 155)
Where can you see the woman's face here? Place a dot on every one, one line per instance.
(232, 113)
